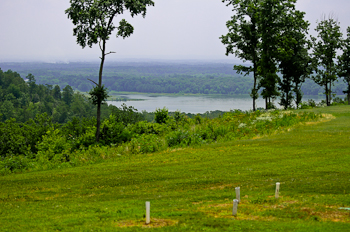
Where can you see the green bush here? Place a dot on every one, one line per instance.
(85, 140)
(144, 127)
(13, 164)
(178, 137)
(113, 132)
(146, 143)
(54, 146)
(161, 115)
(12, 140)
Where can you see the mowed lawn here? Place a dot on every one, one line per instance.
(192, 189)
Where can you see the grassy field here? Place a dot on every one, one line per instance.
(192, 189)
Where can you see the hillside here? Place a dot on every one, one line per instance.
(191, 189)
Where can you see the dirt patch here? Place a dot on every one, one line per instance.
(155, 223)
(222, 186)
(262, 212)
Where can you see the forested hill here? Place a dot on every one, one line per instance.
(152, 77)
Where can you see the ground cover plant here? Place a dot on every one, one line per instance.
(191, 189)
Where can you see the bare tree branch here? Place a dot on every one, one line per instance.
(93, 81)
(109, 53)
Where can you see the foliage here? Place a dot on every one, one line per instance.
(344, 64)
(270, 34)
(98, 95)
(12, 140)
(243, 38)
(113, 132)
(324, 52)
(295, 60)
(161, 115)
(126, 115)
(52, 146)
(25, 100)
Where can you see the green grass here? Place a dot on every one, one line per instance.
(192, 189)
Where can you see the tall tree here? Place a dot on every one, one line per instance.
(344, 63)
(324, 54)
(272, 25)
(94, 25)
(294, 57)
(56, 93)
(243, 39)
(67, 94)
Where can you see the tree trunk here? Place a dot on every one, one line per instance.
(98, 118)
(254, 103)
(348, 93)
(255, 90)
(297, 97)
(326, 90)
(330, 92)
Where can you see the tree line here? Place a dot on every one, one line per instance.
(273, 36)
(209, 78)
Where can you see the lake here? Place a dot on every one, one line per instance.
(194, 104)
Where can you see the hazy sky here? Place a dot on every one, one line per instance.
(39, 30)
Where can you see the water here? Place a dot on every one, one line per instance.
(194, 104)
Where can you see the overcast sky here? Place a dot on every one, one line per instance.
(39, 30)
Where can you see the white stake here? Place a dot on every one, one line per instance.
(148, 212)
(238, 194)
(277, 190)
(235, 206)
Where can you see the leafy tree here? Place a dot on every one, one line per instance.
(294, 58)
(161, 115)
(67, 94)
(344, 63)
(324, 52)
(272, 26)
(94, 24)
(258, 32)
(31, 83)
(243, 38)
(126, 115)
(8, 110)
(56, 93)
(1, 77)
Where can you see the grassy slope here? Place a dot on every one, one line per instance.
(192, 189)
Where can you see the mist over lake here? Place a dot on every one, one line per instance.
(194, 104)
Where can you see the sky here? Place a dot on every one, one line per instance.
(39, 30)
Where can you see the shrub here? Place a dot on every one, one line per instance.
(161, 115)
(144, 127)
(13, 164)
(85, 140)
(53, 144)
(12, 141)
(178, 137)
(179, 117)
(126, 115)
(146, 143)
(338, 101)
(198, 119)
(113, 132)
